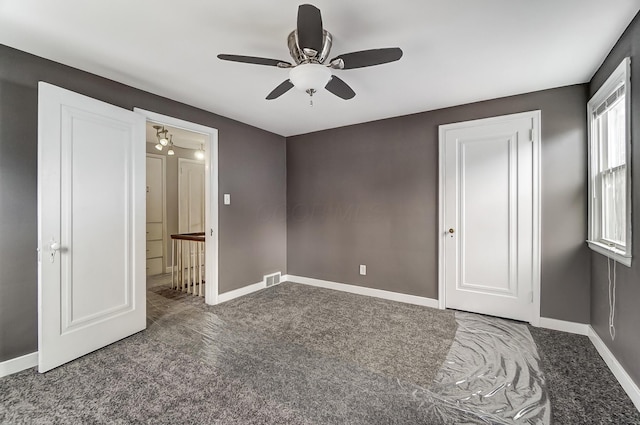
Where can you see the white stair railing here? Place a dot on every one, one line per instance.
(187, 261)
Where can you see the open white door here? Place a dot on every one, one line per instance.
(489, 215)
(91, 225)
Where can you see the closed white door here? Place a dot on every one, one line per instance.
(191, 196)
(91, 225)
(489, 213)
(155, 214)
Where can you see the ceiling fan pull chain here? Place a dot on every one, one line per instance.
(311, 92)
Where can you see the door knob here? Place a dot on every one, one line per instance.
(53, 247)
(451, 231)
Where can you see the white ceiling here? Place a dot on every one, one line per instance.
(455, 52)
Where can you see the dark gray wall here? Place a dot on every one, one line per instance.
(368, 194)
(626, 346)
(251, 164)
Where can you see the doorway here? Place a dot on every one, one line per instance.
(489, 216)
(197, 145)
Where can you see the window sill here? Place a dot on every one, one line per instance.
(613, 253)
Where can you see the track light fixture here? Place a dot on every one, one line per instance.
(170, 151)
(161, 135)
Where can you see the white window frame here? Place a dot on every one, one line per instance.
(617, 252)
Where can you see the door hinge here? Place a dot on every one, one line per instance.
(531, 134)
(531, 296)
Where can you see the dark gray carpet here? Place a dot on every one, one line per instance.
(581, 388)
(392, 339)
(286, 355)
(201, 364)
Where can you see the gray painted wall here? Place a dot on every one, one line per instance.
(252, 169)
(626, 346)
(368, 194)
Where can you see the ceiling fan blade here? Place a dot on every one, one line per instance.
(340, 88)
(310, 33)
(255, 60)
(367, 58)
(284, 87)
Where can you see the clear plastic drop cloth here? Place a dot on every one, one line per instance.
(491, 375)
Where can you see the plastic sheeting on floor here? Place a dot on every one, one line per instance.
(491, 375)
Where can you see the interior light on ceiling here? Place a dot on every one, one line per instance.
(163, 140)
(170, 151)
(161, 135)
(158, 146)
(310, 77)
(199, 154)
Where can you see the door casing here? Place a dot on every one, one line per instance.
(536, 136)
(212, 229)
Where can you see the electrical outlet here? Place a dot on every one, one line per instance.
(363, 270)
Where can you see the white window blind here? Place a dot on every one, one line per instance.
(609, 206)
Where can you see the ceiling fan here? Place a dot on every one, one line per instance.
(309, 46)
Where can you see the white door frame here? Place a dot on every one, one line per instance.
(536, 117)
(212, 229)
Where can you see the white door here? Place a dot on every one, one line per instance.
(91, 225)
(489, 208)
(155, 214)
(191, 196)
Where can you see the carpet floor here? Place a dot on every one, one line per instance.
(291, 354)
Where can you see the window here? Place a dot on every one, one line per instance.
(610, 168)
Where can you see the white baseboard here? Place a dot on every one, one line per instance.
(564, 326)
(630, 387)
(361, 290)
(18, 364)
(245, 290)
(168, 269)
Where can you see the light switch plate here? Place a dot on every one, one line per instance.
(363, 270)
(227, 199)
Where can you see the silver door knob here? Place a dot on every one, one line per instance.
(53, 247)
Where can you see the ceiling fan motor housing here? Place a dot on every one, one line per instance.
(300, 56)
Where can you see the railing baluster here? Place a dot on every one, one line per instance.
(182, 267)
(200, 268)
(173, 263)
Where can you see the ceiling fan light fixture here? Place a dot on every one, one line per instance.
(310, 76)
